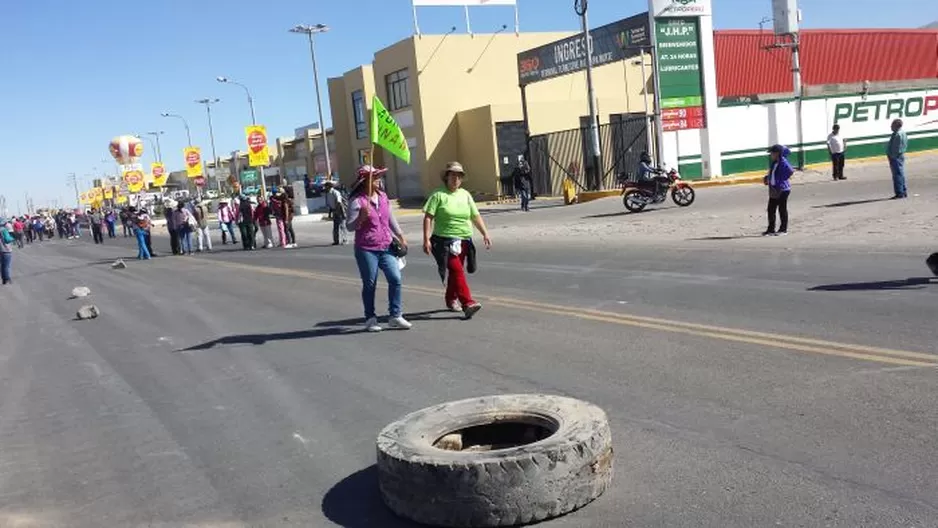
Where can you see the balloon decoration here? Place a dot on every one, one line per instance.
(126, 149)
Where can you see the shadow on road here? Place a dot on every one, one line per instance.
(415, 316)
(626, 213)
(262, 339)
(847, 204)
(728, 237)
(355, 502)
(912, 283)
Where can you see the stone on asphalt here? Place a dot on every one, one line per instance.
(119, 264)
(80, 291)
(89, 311)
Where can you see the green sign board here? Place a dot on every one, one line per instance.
(678, 44)
(249, 176)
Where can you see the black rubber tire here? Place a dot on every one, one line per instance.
(686, 190)
(519, 485)
(630, 206)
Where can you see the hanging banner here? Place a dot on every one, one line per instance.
(159, 174)
(680, 8)
(121, 199)
(611, 43)
(108, 193)
(97, 194)
(134, 180)
(193, 159)
(83, 198)
(258, 150)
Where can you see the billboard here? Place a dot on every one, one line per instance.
(680, 8)
(610, 44)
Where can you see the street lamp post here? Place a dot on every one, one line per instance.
(310, 31)
(184, 122)
(223, 79)
(211, 132)
(159, 153)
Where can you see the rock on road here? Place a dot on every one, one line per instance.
(748, 381)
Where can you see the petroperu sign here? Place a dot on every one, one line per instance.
(680, 8)
(887, 109)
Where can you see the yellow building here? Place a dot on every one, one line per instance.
(457, 97)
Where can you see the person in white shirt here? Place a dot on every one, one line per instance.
(837, 148)
(339, 208)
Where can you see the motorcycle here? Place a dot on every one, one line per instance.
(636, 195)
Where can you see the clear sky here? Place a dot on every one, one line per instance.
(75, 73)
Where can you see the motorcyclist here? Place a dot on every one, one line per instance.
(650, 176)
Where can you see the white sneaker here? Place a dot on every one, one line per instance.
(454, 306)
(399, 323)
(372, 325)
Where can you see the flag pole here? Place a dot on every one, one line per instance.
(416, 26)
(468, 26)
(517, 23)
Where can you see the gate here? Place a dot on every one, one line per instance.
(559, 155)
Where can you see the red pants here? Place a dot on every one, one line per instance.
(457, 288)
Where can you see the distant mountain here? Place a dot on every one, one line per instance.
(933, 25)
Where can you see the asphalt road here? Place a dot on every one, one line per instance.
(746, 385)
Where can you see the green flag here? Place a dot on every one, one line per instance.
(385, 132)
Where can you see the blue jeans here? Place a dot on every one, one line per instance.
(897, 166)
(368, 264)
(142, 251)
(525, 199)
(185, 240)
(6, 262)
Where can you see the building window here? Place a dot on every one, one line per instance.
(398, 91)
(358, 110)
(364, 156)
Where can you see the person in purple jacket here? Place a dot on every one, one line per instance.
(778, 181)
(371, 218)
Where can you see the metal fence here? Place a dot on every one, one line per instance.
(557, 155)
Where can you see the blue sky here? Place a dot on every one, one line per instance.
(76, 73)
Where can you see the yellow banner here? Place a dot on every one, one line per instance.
(97, 194)
(193, 159)
(109, 193)
(258, 150)
(159, 174)
(121, 199)
(83, 198)
(134, 180)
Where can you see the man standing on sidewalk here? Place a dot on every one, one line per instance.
(338, 207)
(837, 148)
(895, 151)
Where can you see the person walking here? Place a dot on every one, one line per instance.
(97, 220)
(895, 152)
(246, 223)
(837, 147)
(262, 218)
(75, 224)
(183, 221)
(39, 228)
(202, 233)
(338, 208)
(110, 221)
(449, 215)
(170, 216)
(18, 229)
(778, 181)
(524, 184)
(6, 251)
(288, 218)
(371, 218)
(226, 222)
(142, 233)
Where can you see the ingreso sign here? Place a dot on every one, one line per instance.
(886, 109)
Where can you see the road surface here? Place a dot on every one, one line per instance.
(748, 381)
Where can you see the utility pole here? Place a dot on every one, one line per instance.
(159, 153)
(72, 179)
(581, 7)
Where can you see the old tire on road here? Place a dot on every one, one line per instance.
(495, 460)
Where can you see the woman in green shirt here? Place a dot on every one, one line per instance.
(449, 215)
